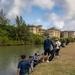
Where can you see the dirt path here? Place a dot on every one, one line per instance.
(65, 65)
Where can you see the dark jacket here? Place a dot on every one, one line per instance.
(47, 44)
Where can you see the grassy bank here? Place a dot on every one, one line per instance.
(65, 65)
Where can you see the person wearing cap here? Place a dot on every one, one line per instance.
(57, 47)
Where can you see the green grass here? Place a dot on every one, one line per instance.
(65, 65)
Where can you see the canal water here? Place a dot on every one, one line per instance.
(10, 56)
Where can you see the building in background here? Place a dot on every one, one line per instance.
(44, 32)
(67, 34)
(71, 34)
(64, 34)
(36, 29)
(53, 32)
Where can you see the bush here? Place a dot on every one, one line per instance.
(53, 38)
(70, 39)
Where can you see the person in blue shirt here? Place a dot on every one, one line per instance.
(47, 48)
(63, 42)
(23, 66)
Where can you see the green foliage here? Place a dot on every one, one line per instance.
(62, 39)
(53, 38)
(19, 35)
(38, 39)
(3, 33)
(70, 39)
(22, 29)
(11, 35)
(3, 19)
(3, 40)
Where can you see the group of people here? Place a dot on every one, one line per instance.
(26, 65)
(48, 53)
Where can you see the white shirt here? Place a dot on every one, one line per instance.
(57, 44)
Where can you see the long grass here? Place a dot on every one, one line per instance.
(65, 65)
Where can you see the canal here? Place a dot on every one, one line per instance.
(10, 56)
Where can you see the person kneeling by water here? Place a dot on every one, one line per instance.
(36, 58)
(31, 61)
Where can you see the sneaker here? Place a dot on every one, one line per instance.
(56, 56)
(47, 60)
(42, 60)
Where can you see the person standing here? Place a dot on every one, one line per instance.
(23, 66)
(47, 48)
(57, 47)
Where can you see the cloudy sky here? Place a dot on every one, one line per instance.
(48, 13)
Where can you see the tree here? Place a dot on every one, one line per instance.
(3, 19)
(22, 29)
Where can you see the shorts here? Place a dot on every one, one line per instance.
(57, 51)
(47, 52)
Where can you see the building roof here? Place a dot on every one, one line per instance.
(32, 26)
(67, 31)
(53, 28)
(35, 26)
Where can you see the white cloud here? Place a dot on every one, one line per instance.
(63, 22)
(71, 4)
(55, 20)
(59, 24)
(70, 9)
(69, 18)
(17, 7)
(36, 22)
(44, 4)
(15, 10)
(51, 17)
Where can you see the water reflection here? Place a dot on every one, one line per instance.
(10, 56)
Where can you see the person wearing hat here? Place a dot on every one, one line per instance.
(57, 47)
